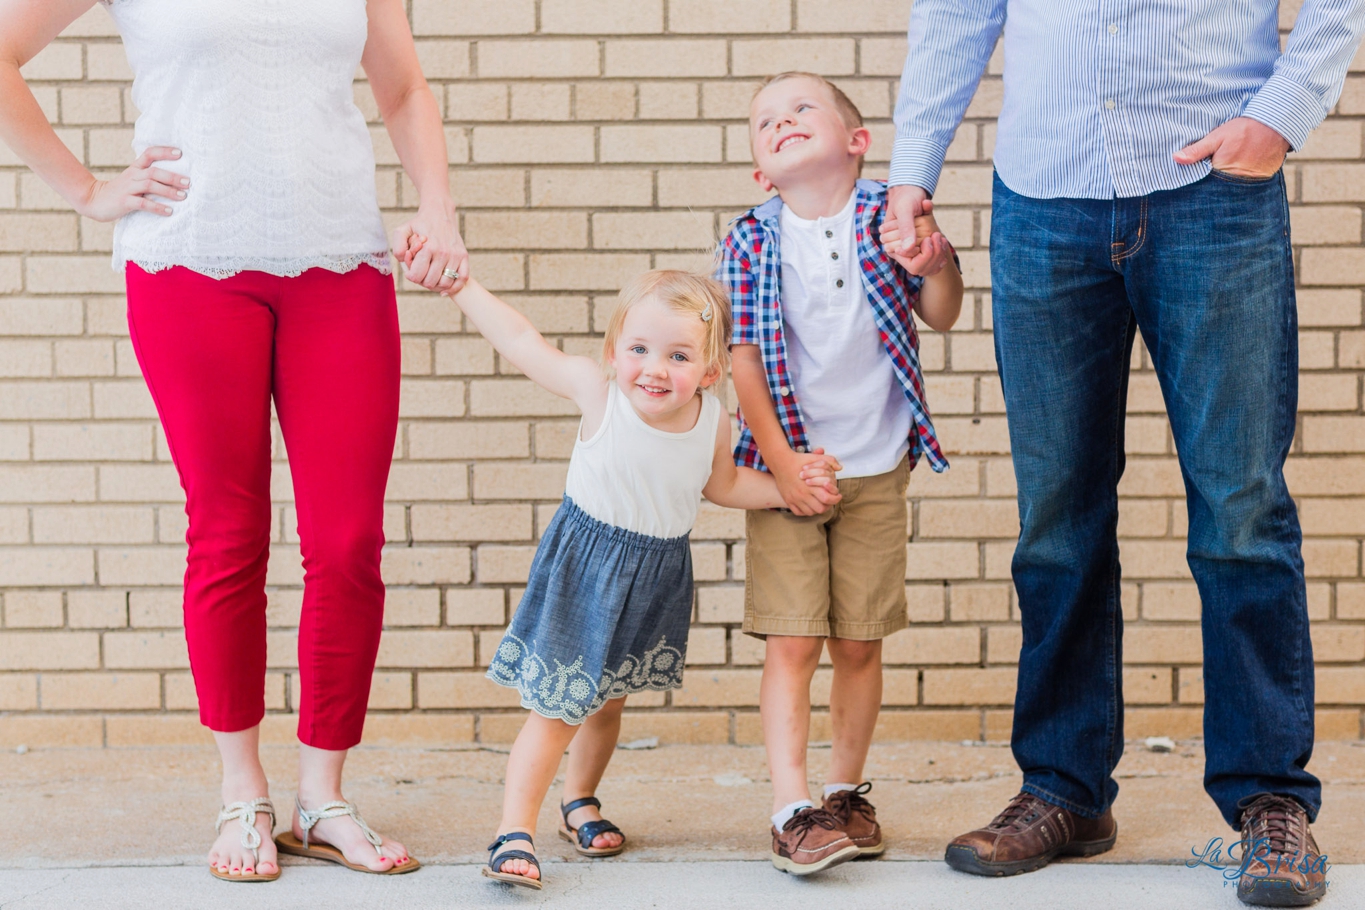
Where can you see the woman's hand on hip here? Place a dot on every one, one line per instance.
(141, 188)
(431, 250)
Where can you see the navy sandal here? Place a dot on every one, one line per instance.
(495, 860)
(583, 836)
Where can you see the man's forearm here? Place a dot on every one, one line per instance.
(949, 46)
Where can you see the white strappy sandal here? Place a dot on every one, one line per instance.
(245, 814)
(288, 843)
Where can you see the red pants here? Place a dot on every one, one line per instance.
(213, 354)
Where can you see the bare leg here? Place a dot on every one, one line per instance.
(854, 700)
(320, 782)
(784, 707)
(530, 770)
(243, 781)
(589, 754)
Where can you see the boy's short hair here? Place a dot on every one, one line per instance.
(848, 111)
(685, 292)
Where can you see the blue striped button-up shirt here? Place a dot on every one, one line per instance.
(1099, 94)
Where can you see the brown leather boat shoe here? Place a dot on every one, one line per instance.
(811, 841)
(1281, 863)
(1027, 836)
(858, 818)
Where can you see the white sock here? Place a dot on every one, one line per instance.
(785, 814)
(835, 788)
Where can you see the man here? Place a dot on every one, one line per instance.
(1138, 187)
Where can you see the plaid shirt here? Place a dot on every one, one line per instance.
(751, 270)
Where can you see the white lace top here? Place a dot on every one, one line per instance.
(257, 96)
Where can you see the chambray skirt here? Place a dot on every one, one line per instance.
(605, 614)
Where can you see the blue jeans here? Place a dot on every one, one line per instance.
(1204, 272)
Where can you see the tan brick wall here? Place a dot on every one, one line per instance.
(589, 141)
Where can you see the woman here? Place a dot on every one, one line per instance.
(257, 267)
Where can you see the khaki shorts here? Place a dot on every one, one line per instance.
(840, 574)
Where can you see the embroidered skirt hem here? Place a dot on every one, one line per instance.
(605, 615)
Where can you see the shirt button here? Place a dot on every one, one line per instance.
(784, 391)
(1113, 29)
(839, 283)
(800, 448)
(1110, 104)
(833, 255)
(829, 233)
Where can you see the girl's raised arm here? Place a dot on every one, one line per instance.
(577, 378)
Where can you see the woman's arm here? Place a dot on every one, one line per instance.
(413, 119)
(26, 27)
(744, 488)
(576, 378)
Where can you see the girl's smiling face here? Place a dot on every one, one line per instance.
(659, 360)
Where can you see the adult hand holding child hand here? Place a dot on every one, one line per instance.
(923, 251)
(430, 248)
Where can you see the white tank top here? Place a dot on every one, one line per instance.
(257, 96)
(636, 477)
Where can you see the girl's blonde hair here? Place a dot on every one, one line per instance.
(685, 293)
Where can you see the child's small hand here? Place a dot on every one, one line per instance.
(819, 475)
(415, 244)
(801, 497)
(928, 255)
(821, 489)
(821, 472)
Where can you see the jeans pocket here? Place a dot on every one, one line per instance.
(1239, 179)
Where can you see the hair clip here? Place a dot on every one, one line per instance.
(706, 313)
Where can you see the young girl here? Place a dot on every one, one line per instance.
(609, 599)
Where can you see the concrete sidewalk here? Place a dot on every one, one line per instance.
(881, 885)
(696, 817)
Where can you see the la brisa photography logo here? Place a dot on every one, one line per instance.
(1254, 860)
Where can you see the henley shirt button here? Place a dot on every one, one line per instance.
(784, 391)
(1113, 29)
(829, 233)
(839, 283)
(833, 255)
(1109, 105)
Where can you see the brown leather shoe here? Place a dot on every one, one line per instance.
(858, 819)
(1281, 864)
(1027, 836)
(810, 841)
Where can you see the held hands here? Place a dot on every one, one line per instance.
(1242, 147)
(138, 189)
(923, 251)
(429, 246)
(806, 481)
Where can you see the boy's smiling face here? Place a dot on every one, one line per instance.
(796, 130)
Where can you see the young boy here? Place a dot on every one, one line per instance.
(825, 355)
